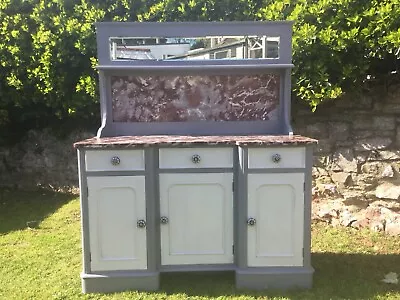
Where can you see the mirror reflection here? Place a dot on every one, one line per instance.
(200, 48)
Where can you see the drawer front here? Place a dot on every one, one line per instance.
(181, 158)
(291, 157)
(114, 160)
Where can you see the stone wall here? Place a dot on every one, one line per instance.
(356, 169)
(41, 160)
(357, 162)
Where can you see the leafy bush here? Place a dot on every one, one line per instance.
(48, 49)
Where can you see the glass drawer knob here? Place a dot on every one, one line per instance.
(141, 224)
(251, 221)
(196, 159)
(276, 158)
(115, 160)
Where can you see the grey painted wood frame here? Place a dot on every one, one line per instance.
(110, 128)
(106, 30)
(246, 277)
(108, 68)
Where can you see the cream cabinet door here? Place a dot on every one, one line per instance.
(275, 219)
(198, 218)
(116, 204)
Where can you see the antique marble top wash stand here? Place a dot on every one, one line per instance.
(195, 166)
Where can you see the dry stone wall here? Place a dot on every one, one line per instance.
(357, 161)
(356, 169)
(41, 160)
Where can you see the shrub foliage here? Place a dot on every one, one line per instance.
(48, 49)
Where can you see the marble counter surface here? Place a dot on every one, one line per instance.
(186, 140)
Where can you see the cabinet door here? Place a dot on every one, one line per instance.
(276, 202)
(199, 208)
(116, 203)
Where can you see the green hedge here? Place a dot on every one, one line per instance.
(48, 49)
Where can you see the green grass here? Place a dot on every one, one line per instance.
(43, 261)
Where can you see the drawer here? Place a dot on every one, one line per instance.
(274, 157)
(114, 160)
(181, 158)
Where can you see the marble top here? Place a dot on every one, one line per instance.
(187, 140)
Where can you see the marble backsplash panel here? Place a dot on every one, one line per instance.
(195, 98)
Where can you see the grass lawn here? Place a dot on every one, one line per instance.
(43, 260)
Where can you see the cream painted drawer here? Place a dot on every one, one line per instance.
(114, 160)
(180, 158)
(274, 157)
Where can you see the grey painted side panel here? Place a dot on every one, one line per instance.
(286, 102)
(104, 129)
(156, 187)
(274, 278)
(84, 212)
(307, 206)
(241, 212)
(151, 216)
(107, 283)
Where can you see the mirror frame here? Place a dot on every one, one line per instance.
(281, 29)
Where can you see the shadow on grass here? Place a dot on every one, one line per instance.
(22, 209)
(337, 276)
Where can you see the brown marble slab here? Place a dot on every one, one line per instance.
(178, 140)
(195, 98)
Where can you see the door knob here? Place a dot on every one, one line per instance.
(164, 220)
(251, 221)
(141, 223)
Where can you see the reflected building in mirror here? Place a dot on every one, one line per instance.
(209, 47)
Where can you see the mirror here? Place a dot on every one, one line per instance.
(196, 48)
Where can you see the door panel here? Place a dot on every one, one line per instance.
(199, 208)
(116, 203)
(276, 201)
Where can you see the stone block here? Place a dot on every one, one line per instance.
(345, 160)
(384, 122)
(373, 143)
(346, 144)
(377, 226)
(317, 130)
(362, 123)
(391, 108)
(319, 172)
(375, 168)
(342, 178)
(398, 136)
(339, 131)
(355, 199)
(384, 155)
(358, 100)
(362, 156)
(393, 93)
(388, 190)
(362, 134)
(387, 172)
(324, 146)
(393, 228)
